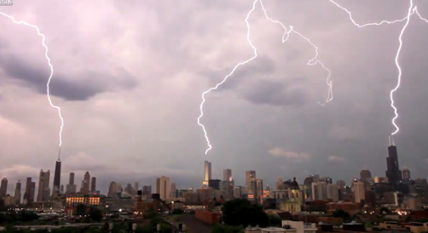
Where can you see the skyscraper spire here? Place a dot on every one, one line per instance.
(59, 154)
(391, 140)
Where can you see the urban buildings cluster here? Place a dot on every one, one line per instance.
(396, 188)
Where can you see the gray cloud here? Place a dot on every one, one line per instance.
(36, 78)
(256, 69)
(174, 54)
(275, 94)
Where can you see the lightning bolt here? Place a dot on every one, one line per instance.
(411, 10)
(286, 35)
(50, 66)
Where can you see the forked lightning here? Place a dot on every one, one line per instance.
(286, 35)
(411, 10)
(50, 66)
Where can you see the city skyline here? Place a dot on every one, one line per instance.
(130, 108)
(252, 182)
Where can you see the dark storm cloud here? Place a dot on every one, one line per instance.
(274, 93)
(258, 67)
(60, 86)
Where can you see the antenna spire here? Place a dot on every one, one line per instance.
(391, 140)
(59, 154)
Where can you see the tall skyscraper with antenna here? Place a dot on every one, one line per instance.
(393, 169)
(57, 176)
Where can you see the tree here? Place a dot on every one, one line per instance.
(275, 221)
(341, 214)
(177, 211)
(96, 214)
(239, 212)
(28, 216)
(218, 228)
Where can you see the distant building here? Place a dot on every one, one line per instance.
(163, 187)
(393, 169)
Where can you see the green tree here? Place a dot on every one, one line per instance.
(239, 212)
(341, 214)
(28, 216)
(96, 214)
(275, 221)
(218, 228)
(177, 211)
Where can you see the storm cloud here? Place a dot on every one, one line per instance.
(129, 75)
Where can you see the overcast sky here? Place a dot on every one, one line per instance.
(128, 76)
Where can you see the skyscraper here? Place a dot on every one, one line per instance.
(227, 174)
(43, 191)
(359, 192)
(93, 185)
(113, 189)
(17, 195)
(86, 183)
(27, 194)
(32, 191)
(71, 187)
(3, 187)
(393, 169)
(136, 186)
(250, 183)
(173, 191)
(57, 175)
(366, 177)
(71, 181)
(259, 188)
(162, 187)
(207, 174)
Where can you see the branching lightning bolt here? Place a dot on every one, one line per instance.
(51, 70)
(286, 35)
(411, 10)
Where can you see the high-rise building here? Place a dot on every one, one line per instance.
(163, 187)
(393, 169)
(113, 190)
(173, 193)
(93, 185)
(250, 183)
(3, 188)
(237, 191)
(71, 187)
(214, 184)
(406, 174)
(319, 191)
(359, 191)
(136, 186)
(32, 191)
(27, 194)
(71, 180)
(333, 192)
(57, 176)
(207, 174)
(43, 191)
(227, 174)
(259, 188)
(366, 178)
(86, 183)
(17, 195)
